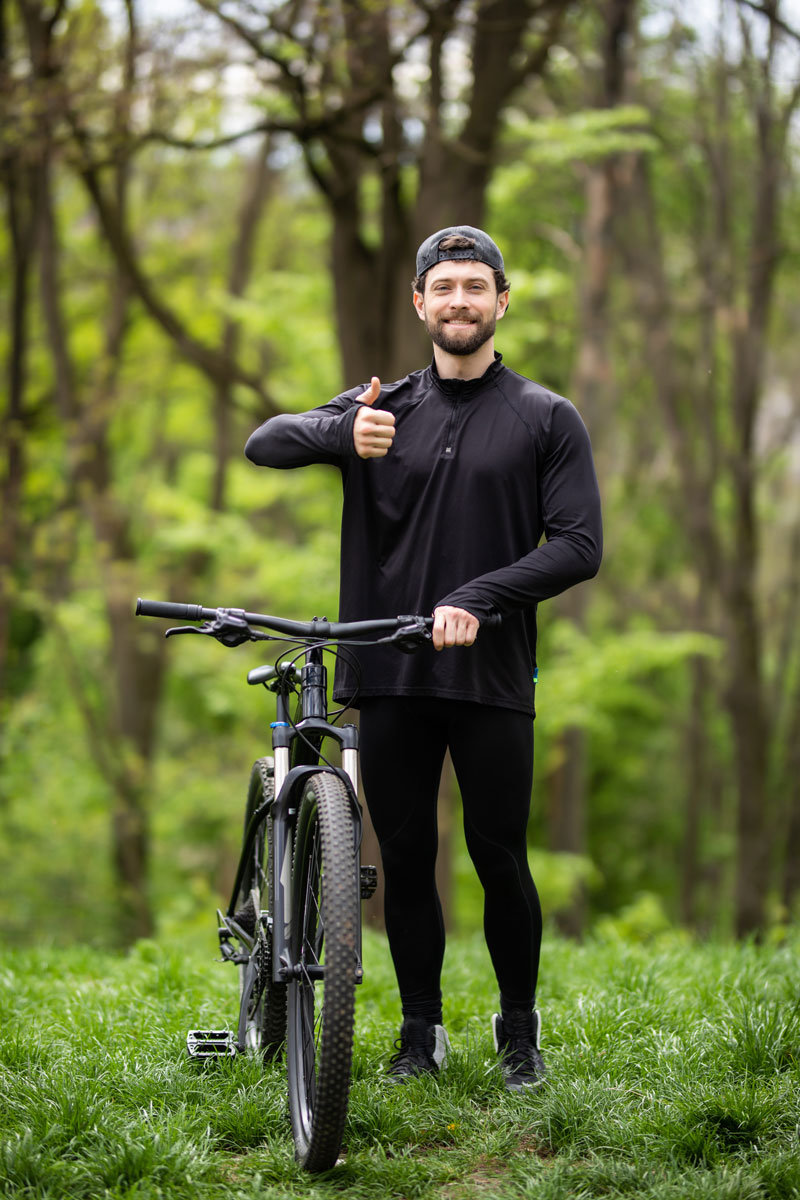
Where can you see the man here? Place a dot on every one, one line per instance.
(451, 476)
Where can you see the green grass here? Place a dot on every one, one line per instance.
(674, 1072)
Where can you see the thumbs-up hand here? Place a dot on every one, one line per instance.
(373, 428)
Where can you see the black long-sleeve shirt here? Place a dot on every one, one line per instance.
(478, 472)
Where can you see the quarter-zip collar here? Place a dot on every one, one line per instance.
(463, 389)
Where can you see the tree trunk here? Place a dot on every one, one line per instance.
(714, 439)
(22, 209)
(254, 198)
(567, 821)
(590, 390)
(746, 693)
(698, 792)
(135, 676)
(121, 737)
(138, 657)
(790, 884)
(745, 701)
(378, 330)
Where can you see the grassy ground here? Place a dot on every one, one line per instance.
(674, 1072)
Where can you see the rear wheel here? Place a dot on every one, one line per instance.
(324, 944)
(262, 1002)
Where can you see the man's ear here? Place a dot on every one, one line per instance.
(503, 301)
(419, 305)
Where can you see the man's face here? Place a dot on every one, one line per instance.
(460, 306)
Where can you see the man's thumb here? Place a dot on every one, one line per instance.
(374, 390)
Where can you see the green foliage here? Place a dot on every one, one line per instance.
(597, 681)
(643, 920)
(54, 855)
(586, 137)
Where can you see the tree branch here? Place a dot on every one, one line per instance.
(214, 364)
(304, 131)
(497, 36)
(770, 11)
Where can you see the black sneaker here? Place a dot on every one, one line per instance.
(421, 1048)
(516, 1041)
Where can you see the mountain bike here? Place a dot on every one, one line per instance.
(293, 923)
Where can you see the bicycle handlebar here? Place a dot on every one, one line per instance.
(324, 630)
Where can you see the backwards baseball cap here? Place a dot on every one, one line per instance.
(484, 250)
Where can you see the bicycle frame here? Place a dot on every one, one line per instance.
(290, 743)
(293, 920)
(296, 747)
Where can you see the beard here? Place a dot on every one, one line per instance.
(463, 341)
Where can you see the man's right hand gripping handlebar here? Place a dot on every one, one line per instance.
(453, 627)
(373, 428)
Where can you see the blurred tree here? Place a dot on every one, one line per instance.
(706, 347)
(22, 206)
(162, 288)
(591, 392)
(121, 736)
(397, 110)
(651, 573)
(51, 96)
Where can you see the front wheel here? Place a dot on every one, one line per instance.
(324, 949)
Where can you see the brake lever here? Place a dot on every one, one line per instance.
(410, 637)
(227, 628)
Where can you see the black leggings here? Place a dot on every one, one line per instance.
(403, 744)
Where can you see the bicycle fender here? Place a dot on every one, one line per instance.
(293, 783)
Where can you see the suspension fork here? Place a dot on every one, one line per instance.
(291, 757)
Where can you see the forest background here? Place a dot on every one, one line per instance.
(210, 216)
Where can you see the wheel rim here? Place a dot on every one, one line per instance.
(310, 995)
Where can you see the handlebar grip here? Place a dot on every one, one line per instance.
(176, 612)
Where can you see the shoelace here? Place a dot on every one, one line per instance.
(519, 1046)
(520, 1053)
(412, 1050)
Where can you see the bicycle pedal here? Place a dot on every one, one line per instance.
(207, 1045)
(369, 881)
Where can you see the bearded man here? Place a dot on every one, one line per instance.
(452, 476)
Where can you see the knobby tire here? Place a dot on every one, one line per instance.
(325, 917)
(262, 1002)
